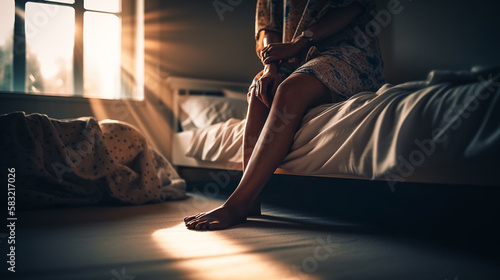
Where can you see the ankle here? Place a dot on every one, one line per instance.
(239, 209)
(256, 210)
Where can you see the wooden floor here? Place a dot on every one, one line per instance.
(151, 242)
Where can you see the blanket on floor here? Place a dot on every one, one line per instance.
(81, 162)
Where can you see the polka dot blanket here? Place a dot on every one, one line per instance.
(83, 162)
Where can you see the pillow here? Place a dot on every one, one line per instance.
(235, 94)
(199, 111)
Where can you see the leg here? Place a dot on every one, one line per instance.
(294, 96)
(256, 118)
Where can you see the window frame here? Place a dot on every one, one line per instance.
(19, 48)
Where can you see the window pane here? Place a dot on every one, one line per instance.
(112, 6)
(6, 44)
(50, 33)
(102, 53)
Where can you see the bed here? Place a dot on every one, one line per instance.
(444, 129)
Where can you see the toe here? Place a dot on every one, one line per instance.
(201, 225)
(215, 225)
(191, 224)
(189, 218)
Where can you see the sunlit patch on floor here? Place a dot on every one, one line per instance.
(210, 255)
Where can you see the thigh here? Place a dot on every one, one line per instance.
(341, 78)
(302, 90)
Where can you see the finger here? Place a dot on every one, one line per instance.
(263, 55)
(271, 46)
(264, 92)
(271, 58)
(251, 86)
(257, 89)
(258, 75)
(250, 93)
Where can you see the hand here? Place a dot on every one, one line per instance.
(278, 51)
(265, 83)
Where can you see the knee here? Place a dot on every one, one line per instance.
(301, 91)
(287, 93)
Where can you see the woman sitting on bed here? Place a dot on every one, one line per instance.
(314, 52)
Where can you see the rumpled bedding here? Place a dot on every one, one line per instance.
(453, 116)
(82, 162)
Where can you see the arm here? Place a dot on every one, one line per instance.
(266, 82)
(264, 38)
(332, 22)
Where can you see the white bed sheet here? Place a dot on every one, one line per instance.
(181, 144)
(451, 118)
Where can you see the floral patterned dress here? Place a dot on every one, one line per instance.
(347, 62)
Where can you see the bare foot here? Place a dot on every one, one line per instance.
(220, 218)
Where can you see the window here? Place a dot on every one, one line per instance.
(6, 45)
(72, 48)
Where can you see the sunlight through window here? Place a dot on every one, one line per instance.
(6, 22)
(102, 34)
(6, 44)
(50, 30)
(73, 48)
(63, 1)
(112, 6)
(209, 255)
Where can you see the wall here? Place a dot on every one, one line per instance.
(191, 39)
(425, 35)
(442, 35)
(209, 39)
